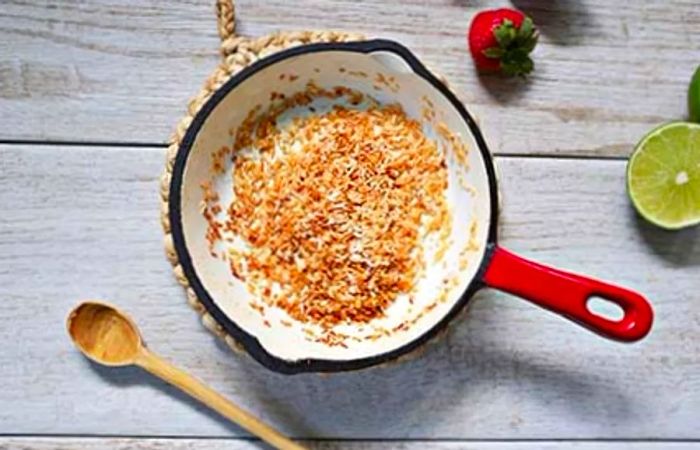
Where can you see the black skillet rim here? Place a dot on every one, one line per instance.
(250, 342)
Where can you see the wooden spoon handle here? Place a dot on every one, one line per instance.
(192, 386)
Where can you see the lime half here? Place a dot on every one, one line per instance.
(663, 175)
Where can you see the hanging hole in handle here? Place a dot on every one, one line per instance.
(604, 308)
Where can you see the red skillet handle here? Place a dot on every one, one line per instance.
(567, 294)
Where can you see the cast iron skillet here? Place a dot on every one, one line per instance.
(492, 266)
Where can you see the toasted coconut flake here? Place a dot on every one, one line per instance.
(333, 209)
(455, 143)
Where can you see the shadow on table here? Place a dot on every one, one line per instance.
(503, 89)
(409, 398)
(681, 248)
(564, 22)
(132, 375)
(406, 398)
(470, 3)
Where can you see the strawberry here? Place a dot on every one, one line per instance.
(501, 40)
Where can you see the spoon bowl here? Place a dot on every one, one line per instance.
(104, 334)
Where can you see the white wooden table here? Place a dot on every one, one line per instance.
(89, 93)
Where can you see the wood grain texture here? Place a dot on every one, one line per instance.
(54, 443)
(123, 70)
(82, 222)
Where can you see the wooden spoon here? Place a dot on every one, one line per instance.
(109, 337)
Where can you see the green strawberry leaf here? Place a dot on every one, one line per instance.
(526, 30)
(504, 33)
(514, 46)
(516, 62)
(530, 44)
(493, 52)
(512, 33)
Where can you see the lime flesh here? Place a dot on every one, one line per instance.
(663, 176)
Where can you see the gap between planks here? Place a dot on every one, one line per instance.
(155, 145)
(174, 437)
(89, 443)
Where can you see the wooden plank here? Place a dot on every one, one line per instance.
(122, 70)
(85, 225)
(57, 443)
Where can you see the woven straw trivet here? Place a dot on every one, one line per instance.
(237, 52)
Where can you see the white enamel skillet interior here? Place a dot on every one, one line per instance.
(472, 195)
